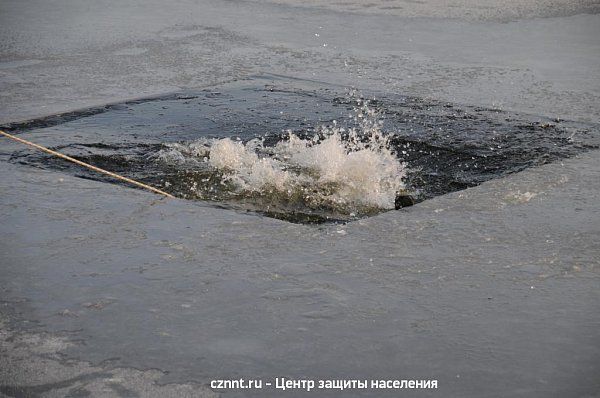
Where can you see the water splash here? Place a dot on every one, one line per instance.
(448, 147)
(334, 172)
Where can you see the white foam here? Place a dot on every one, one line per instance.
(346, 171)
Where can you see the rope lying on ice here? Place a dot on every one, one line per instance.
(89, 166)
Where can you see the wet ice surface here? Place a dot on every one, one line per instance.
(203, 293)
(302, 151)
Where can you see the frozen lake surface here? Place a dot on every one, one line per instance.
(492, 290)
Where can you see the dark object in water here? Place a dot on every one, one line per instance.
(403, 200)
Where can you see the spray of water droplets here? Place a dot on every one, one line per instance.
(336, 170)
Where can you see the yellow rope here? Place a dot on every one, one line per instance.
(89, 166)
